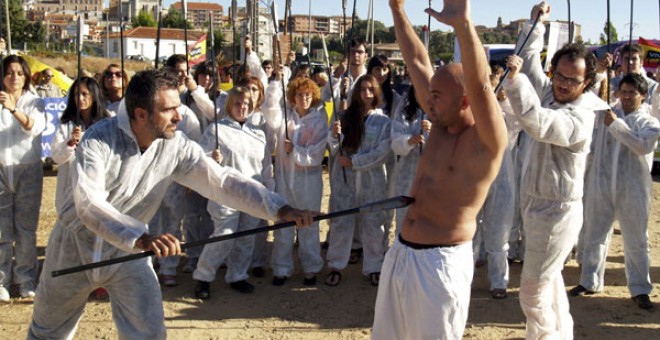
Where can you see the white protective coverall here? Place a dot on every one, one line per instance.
(366, 182)
(243, 147)
(21, 179)
(171, 211)
(618, 187)
(298, 178)
(496, 215)
(517, 234)
(551, 187)
(407, 156)
(117, 190)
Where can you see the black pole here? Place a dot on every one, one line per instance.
(570, 23)
(234, 8)
(121, 46)
(160, 25)
(2, 69)
(428, 47)
(185, 33)
(630, 37)
(348, 46)
(387, 204)
(334, 107)
(78, 120)
(609, 50)
(506, 72)
(215, 81)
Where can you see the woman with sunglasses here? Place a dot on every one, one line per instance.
(113, 83)
(22, 121)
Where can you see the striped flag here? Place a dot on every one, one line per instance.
(197, 52)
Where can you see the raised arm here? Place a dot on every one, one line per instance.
(481, 97)
(414, 53)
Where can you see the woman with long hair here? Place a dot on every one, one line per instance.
(365, 145)
(22, 121)
(113, 83)
(298, 176)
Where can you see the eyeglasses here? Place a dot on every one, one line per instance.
(571, 82)
(117, 74)
(48, 75)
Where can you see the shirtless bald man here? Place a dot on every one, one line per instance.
(424, 290)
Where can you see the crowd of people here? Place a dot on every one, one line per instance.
(527, 174)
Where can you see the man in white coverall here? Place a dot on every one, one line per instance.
(618, 186)
(122, 169)
(558, 116)
(424, 290)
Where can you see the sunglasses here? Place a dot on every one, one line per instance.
(117, 74)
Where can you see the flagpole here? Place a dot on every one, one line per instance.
(609, 50)
(428, 47)
(570, 23)
(234, 8)
(80, 44)
(334, 107)
(8, 40)
(2, 69)
(630, 37)
(279, 53)
(121, 46)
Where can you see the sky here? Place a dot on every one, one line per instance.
(591, 14)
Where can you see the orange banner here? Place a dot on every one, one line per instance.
(197, 52)
(651, 53)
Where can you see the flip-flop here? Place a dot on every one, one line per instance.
(333, 278)
(356, 255)
(498, 293)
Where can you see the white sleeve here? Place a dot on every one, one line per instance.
(61, 152)
(204, 103)
(642, 141)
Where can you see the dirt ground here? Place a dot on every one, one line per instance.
(294, 311)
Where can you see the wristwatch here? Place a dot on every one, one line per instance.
(12, 111)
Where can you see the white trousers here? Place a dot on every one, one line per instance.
(551, 229)
(423, 293)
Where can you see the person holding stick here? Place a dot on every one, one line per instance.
(558, 116)
(424, 289)
(122, 169)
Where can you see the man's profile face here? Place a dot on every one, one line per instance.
(631, 64)
(165, 115)
(568, 80)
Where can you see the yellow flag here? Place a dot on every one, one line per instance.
(60, 80)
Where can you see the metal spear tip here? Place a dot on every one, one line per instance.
(388, 204)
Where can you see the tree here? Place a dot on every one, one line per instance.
(381, 33)
(18, 24)
(145, 19)
(614, 37)
(218, 41)
(175, 19)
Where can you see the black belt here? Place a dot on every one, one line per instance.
(424, 246)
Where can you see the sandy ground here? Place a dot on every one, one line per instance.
(346, 312)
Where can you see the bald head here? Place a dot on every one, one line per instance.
(449, 78)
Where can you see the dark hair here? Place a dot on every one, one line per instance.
(204, 68)
(355, 42)
(24, 65)
(246, 82)
(412, 105)
(266, 63)
(107, 69)
(352, 122)
(141, 91)
(574, 52)
(301, 68)
(386, 87)
(637, 81)
(97, 111)
(175, 59)
(634, 48)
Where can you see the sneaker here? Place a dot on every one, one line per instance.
(203, 290)
(279, 280)
(27, 290)
(4, 294)
(242, 286)
(579, 290)
(168, 280)
(190, 266)
(643, 301)
(258, 272)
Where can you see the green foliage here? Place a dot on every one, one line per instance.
(175, 19)
(22, 31)
(614, 36)
(218, 41)
(381, 33)
(144, 18)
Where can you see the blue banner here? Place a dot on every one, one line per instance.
(54, 108)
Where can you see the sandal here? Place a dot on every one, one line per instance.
(374, 278)
(498, 293)
(356, 255)
(333, 278)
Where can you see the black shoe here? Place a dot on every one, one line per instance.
(643, 301)
(202, 290)
(279, 280)
(258, 272)
(579, 290)
(242, 286)
(310, 281)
